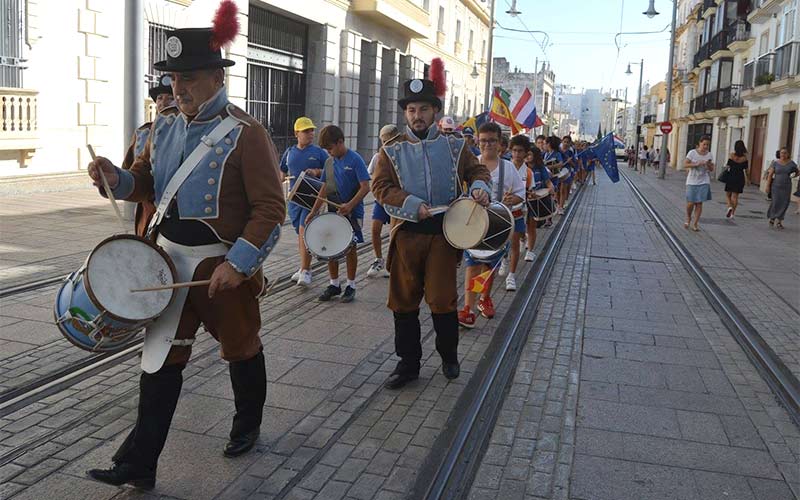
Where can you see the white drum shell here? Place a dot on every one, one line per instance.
(328, 236)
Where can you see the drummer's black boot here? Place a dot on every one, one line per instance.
(446, 327)
(249, 381)
(135, 461)
(407, 345)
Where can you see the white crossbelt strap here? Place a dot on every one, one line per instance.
(206, 143)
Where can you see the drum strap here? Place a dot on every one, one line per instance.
(206, 143)
(331, 189)
(501, 179)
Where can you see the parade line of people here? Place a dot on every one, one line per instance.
(208, 182)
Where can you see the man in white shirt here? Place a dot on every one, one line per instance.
(512, 192)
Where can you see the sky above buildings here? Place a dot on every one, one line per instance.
(580, 37)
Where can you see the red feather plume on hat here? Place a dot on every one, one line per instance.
(437, 76)
(226, 25)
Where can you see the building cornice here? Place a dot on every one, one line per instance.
(480, 12)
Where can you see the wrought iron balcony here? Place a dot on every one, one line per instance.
(738, 31)
(698, 105)
(748, 75)
(649, 119)
(765, 69)
(702, 54)
(729, 97)
(787, 60)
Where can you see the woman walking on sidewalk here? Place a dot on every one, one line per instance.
(700, 162)
(737, 174)
(780, 184)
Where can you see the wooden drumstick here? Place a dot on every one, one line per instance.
(173, 286)
(108, 190)
(469, 219)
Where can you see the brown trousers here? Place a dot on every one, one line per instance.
(232, 317)
(422, 265)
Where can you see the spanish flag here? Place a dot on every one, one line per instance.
(478, 283)
(500, 113)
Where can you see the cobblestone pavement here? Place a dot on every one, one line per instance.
(630, 386)
(758, 268)
(330, 430)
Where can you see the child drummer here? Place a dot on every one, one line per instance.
(346, 182)
(512, 192)
(540, 179)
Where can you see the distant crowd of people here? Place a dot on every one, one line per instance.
(700, 164)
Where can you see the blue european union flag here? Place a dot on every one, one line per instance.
(604, 152)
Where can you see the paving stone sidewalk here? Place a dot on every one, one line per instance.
(668, 406)
(758, 268)
(330, 430)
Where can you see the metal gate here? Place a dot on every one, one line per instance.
(12, 19)
(276, 79)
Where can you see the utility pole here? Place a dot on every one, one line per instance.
(625, 116)
(488, 94)
(133, 101)
(662, 159)
(639, 107)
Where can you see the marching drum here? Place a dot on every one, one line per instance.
(540, 204)
(488, 228)
(487, 256)
(305, 191)
(563, 173)
(94, 308)
(329, 236)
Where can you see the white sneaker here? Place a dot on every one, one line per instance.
(530, 256)
(511, 283)
(305, 279)
(296, 275)
(377, 269)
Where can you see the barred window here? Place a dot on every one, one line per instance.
(12, 27)
(157, 49)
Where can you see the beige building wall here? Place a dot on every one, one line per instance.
(359, 53)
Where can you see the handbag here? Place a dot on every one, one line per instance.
(725, 175)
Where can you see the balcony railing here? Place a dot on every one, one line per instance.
(765, 69)
(701, 54)
(729, 97)
(739, 31)
(18, 113)
(649, 119)
(786, 60)
(748, 75)
(698, 105)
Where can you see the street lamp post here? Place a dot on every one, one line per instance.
(487, 95)
(662, 159)
(638, 102)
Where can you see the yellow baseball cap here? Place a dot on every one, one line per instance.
(303, 123)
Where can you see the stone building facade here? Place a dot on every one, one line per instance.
(336, 61)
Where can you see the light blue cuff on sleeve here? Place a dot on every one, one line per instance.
(125, 185)
(409, 211)
(480, 185)
(247, 258)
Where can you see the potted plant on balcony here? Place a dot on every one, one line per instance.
(765, 79)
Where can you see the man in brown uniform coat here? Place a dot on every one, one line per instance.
(223, 221)
(414, 178)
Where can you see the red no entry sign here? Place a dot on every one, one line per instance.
(666, 127)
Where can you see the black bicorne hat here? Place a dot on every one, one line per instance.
(164, 87)
(419, 90)
(190, 49)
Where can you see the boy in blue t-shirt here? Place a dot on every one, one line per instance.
(304, 157)
(352, 185)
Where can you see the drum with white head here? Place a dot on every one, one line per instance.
(329, 236)
(95, 308)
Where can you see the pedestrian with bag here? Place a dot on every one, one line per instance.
(779, 183)
(735, 176)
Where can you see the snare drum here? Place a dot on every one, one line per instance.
(329, 236)
(95, 309)
(563, 173)
(488, 229)
(540, 206)
(305, 191)
(487, 256)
